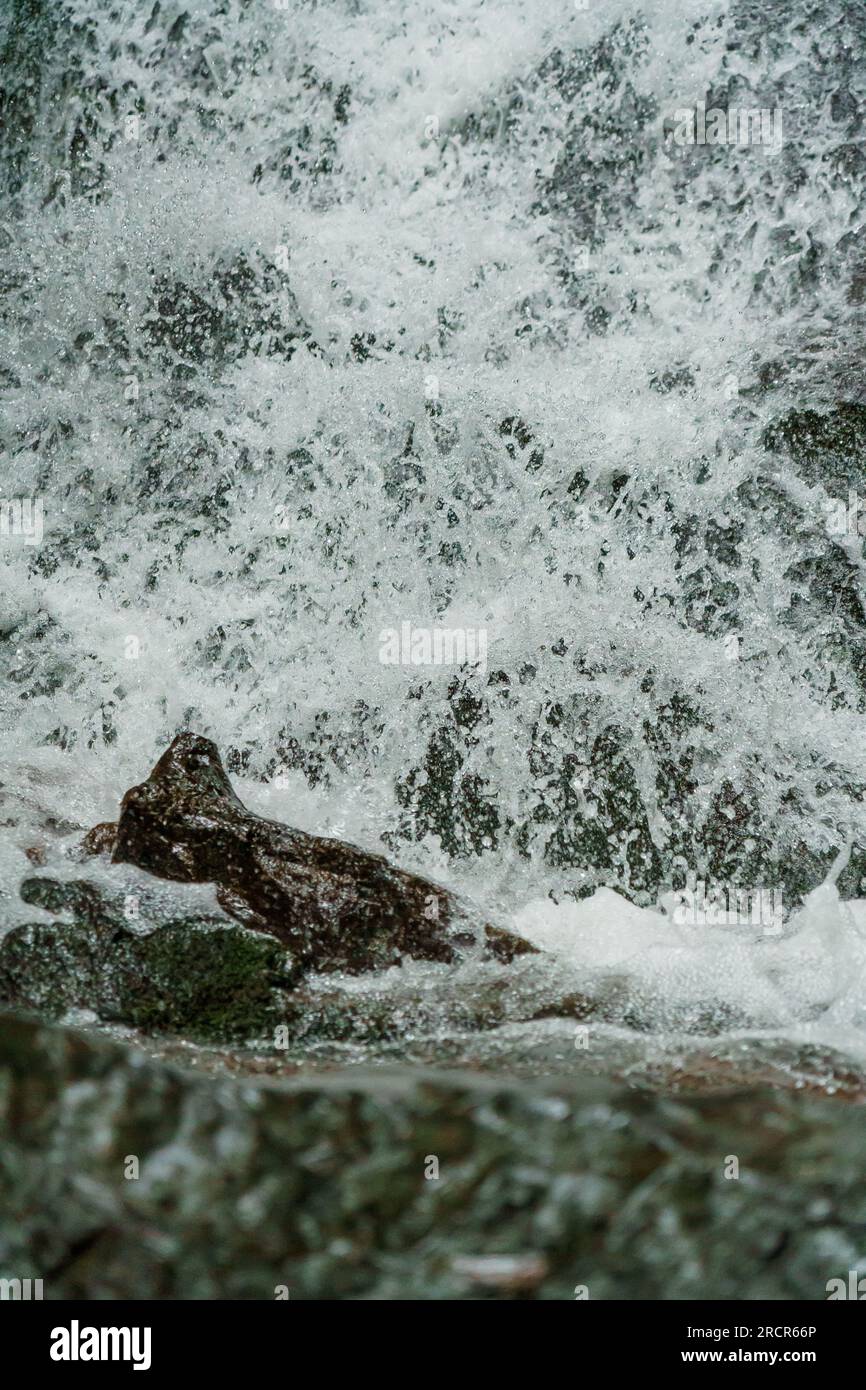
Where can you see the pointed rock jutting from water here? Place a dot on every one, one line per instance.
(335, 906)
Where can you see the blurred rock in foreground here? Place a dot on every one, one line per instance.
(326, 1187)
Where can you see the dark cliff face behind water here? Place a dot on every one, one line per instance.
(457, 414)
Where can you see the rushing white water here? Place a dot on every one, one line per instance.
(324, 320)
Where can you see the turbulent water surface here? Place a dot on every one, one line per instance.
(320, 320)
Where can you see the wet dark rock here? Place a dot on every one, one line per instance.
(210, 980)
(82, 900)
(101, 839)
(171, 970)
(204, 978)
(335, 906)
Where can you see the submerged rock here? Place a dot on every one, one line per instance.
(204, 978)
(434, 1015)
(337, 907)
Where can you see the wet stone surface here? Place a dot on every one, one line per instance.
(336, 906)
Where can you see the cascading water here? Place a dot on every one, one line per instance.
(333, 322)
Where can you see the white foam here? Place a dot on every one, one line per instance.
(815, 973)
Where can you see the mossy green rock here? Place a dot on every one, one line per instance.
(206, 979)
